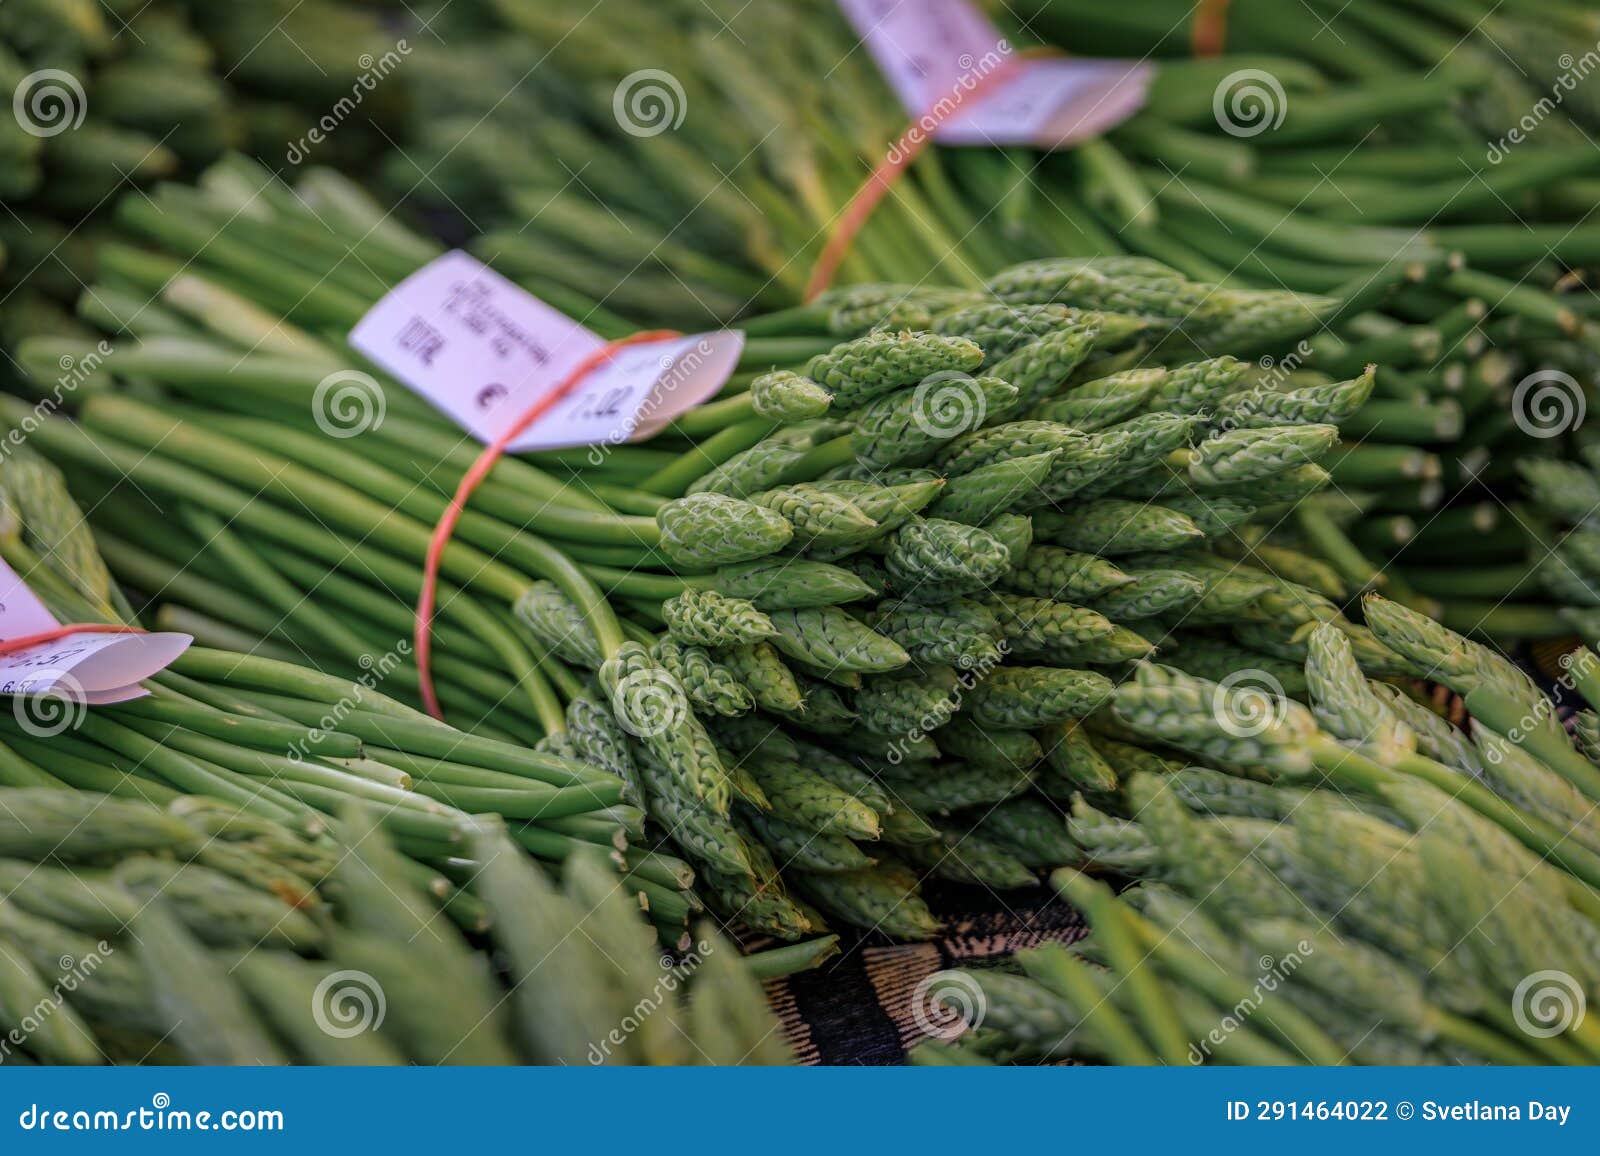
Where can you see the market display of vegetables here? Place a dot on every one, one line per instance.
(802, 557)
(1154, 526)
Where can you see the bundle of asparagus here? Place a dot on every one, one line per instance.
(287, 744)
(882, 579)
(1461, 127)
(1291, 162)
(80, 869)
(711, 167)
(1360, 881)
(136, 934)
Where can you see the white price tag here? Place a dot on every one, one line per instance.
(941, 57)
(92, 668)
(483, 351)
(924, 47)
(1051, 103)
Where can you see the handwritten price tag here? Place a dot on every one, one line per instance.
(941, 58)
(923, 47)
(483, 350)
(89, 668)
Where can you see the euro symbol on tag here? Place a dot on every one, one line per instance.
(490, 395)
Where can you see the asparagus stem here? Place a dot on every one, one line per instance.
(779, 352)
(1509, 620)
(1330, 541)
(1357, 770)
(1292, 1028)
(1541, 736)
(1490, 582)
(1150, 1003)
(1063, 974)
(820, 459)
(672, 479)
(1491, 1045)
(776, 962)
(715, 415)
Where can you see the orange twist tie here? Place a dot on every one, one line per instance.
(13, 645)
(917, 136)
(1208, 31)
(474, 477)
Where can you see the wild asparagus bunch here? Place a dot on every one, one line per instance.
(80, 868)
(1390, 157)
(1418, 112)
(875, 584)
(1362, 882)
(178, 947)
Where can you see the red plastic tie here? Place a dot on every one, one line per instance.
(1208, 31)
(13, 645)
(917, 136)
(470, 481)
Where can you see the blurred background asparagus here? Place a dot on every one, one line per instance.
(112, 94)
(152, 936)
